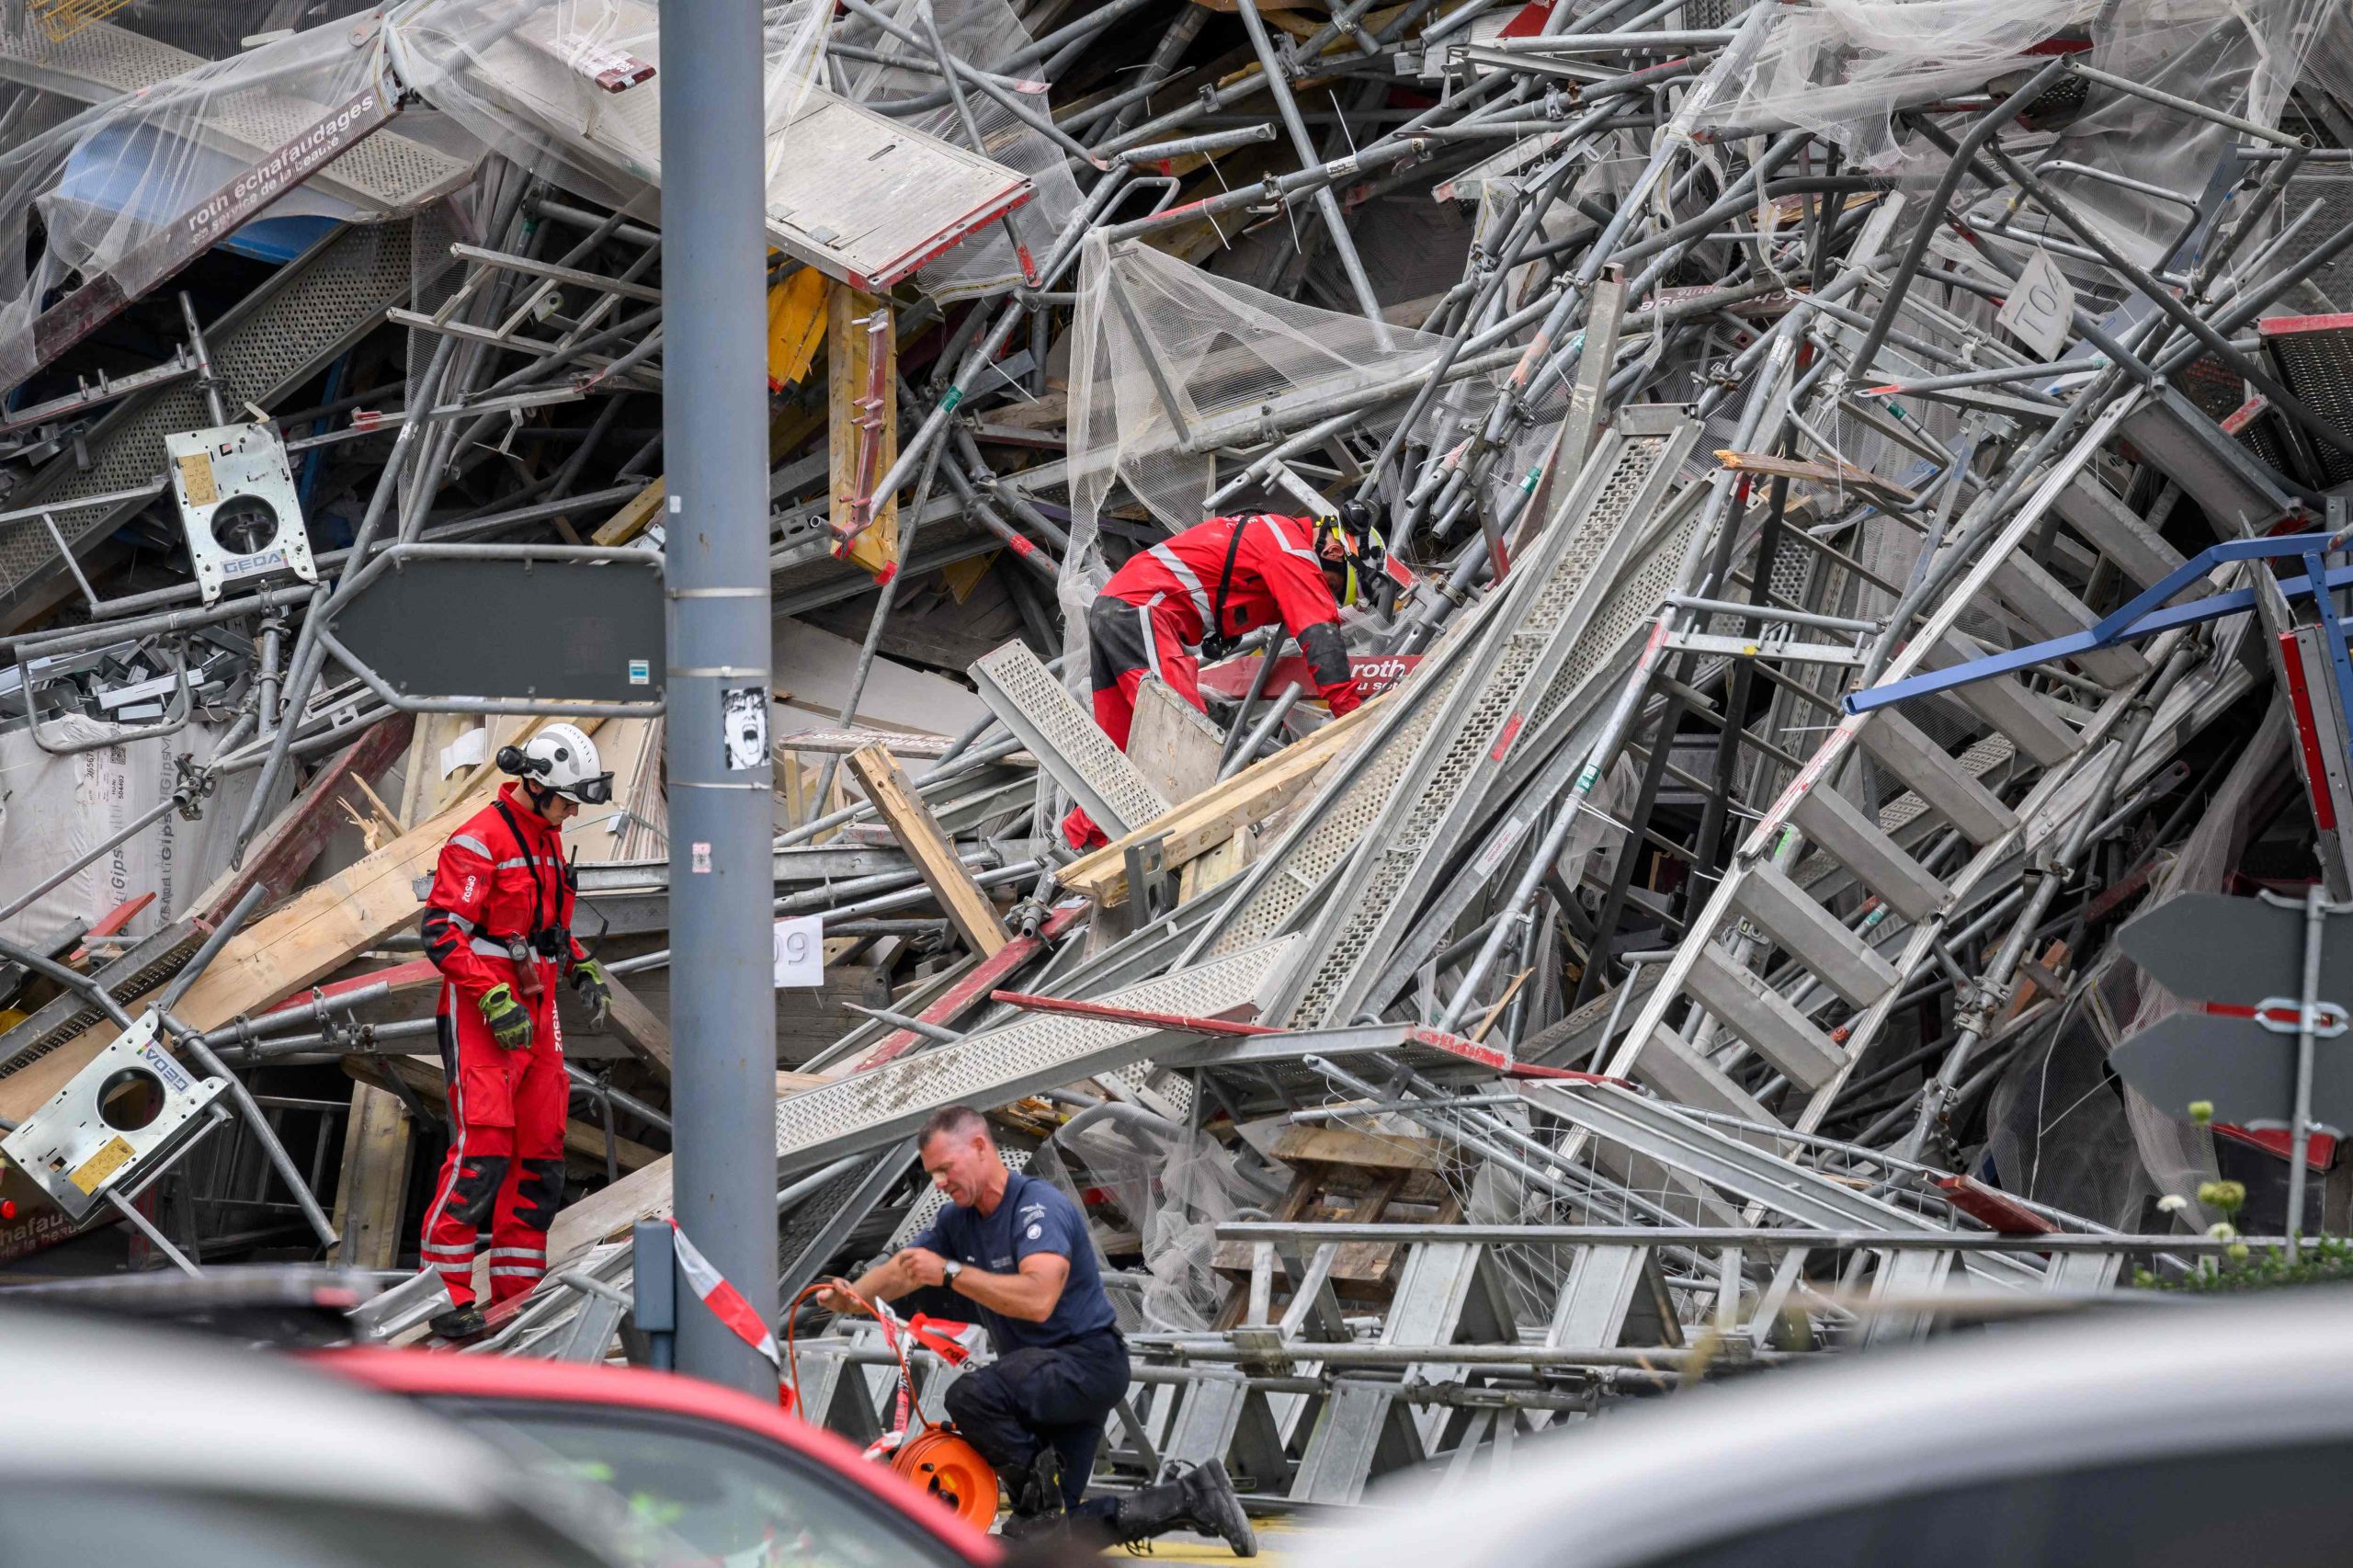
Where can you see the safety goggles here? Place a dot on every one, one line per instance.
(596, 791)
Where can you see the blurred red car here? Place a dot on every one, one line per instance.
(706, 1475)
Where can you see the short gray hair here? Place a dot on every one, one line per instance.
(954, 1121)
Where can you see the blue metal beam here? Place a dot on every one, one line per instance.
(2145, 615)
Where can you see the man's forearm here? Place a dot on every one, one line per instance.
(884, 1282)
(1015, 1295)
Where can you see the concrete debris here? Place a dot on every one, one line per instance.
(1861, 496)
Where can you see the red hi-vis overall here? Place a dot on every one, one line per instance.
(1157, 608)
(501, 875)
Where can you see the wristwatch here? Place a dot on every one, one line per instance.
(948, 1273)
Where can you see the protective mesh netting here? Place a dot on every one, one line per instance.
(1174, 1186)
(131, 186)
(1168, 363)
(1842, 68)
(2177, 1153)
(523, 76)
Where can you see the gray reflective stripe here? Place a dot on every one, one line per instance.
(1184, 575)
(1151, 644)
(459, 921)
(530, 1254)
(488, 949)
(514, 860)
(468, 841)
(1283, 543)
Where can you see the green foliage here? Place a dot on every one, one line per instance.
(2326, 1259)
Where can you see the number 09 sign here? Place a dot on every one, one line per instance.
(799, 951)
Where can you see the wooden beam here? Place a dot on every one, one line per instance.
(375, 1178)
(1885, 492)
(635, 514)
(797, 319)
(1209, 819)
(787, 427)
(276, 860)
(968, 908)
(862, 430)
(1301, 1145)
(635, 1025)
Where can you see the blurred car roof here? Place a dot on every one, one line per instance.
(423, 1374)
(98, 1401)
(2134, 1382)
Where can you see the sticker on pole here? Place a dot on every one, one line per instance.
(800, 952)
(744, 722)
(2040, 310)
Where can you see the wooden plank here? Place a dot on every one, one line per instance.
(376, 1151)
(1196, 826)
(1886, 492)
(788, 428)
(1173, 744)
(796, 326)
(635, 1025)
(862, 431)
(311, 935)
(276, 860)
(968, 908)
(634, 515)
(1304, 1145)
(1221, 863)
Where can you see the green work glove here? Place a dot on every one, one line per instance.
(595, 991)
(510, 1026)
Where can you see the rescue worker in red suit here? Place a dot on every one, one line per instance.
(498, 925)
(1211, 585)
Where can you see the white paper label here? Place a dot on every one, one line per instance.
(2040, 310)
(466, 751)
(799, 951)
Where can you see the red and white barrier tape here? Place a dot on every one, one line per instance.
(726, 1303)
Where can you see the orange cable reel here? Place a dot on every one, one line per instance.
(933, 1457)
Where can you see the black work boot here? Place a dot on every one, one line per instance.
(1037, 1494)
(460, 1324)
(1202, 1499)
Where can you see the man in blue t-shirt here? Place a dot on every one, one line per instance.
(1015, 1252)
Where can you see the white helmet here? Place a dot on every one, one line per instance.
(562, 760)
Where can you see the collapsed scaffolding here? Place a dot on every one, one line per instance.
(1869, 475)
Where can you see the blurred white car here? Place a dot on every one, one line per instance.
(2187, 1435)
(123, 1446)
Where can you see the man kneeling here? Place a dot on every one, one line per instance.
(1015, 1251)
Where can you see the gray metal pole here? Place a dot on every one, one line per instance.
(2316, 910)
(715, 431)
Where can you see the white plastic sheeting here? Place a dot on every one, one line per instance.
(1841, 68)
(1150, 328)
(523, 76)
(132, 186)
(54, 810)
(561, 90)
